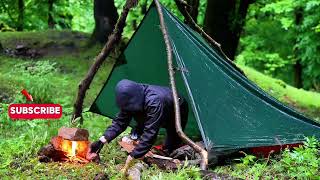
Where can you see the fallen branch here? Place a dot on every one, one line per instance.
(113, 40)
(204, 153)
(182, 6)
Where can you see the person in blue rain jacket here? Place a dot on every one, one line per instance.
(152, 108)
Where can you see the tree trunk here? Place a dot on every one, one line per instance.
(1, 48)
(105, 17)
(224, 21)
(298, 66)
(50, 14)
(20, 15)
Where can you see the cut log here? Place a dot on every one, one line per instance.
(49, 153)
(74, 134)
(56, 142)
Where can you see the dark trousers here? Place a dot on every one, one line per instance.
(173, 141)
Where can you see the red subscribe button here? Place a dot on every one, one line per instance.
(35, 111)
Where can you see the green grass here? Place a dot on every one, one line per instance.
(43, 38)
(306, 102)
(55, 78)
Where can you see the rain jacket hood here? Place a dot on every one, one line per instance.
(130, 95)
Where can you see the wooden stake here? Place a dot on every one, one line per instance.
(200, 150)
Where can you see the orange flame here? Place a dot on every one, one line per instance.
(74, 149)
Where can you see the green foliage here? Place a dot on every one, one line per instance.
(280, 33)
(302, 162)
(137, 13)
(76, 15)
(67, 14)
(43, 88)
(307, 40)
(202, 11)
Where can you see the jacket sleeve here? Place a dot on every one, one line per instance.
(150, 131)
(119, 124)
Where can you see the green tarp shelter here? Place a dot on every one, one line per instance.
(228, 110)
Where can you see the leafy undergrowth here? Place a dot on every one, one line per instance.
(54, 79)
(301, 163)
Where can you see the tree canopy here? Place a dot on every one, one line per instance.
(278, 37)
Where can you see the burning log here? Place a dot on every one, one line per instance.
(71, 145)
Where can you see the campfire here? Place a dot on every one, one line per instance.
(70, 145)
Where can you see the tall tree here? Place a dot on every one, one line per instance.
(105, 17)
(20, 15)
(224, 21)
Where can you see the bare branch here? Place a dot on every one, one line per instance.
(113, 40)
(183, 9)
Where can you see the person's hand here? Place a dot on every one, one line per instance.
(92, 156)
(126, 166)
(96, 147)
(94, 150)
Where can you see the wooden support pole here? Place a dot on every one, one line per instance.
(200, 150)
(113, 40)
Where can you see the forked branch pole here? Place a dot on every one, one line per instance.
(113, 40)
(200, 150)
